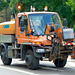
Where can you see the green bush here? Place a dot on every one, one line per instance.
(74, 28)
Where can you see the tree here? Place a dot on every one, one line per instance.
(71, 4)
(4, 4)
(65, 8)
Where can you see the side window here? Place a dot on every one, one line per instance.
(26, 24)
(23, 24)
(20, 19)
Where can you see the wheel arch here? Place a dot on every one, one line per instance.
(1, 46)
(27, 47)
(24, 49)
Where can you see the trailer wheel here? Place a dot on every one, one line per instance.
(5, 59)
(60, 62)
(31, 61)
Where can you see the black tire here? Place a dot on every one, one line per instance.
(31, 61)
(60, 62)
(5, 59)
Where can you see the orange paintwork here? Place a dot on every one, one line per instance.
(10, 29)
(12, 19)
(73, 55)
(47, 29)
(58, 31)
(34, 39)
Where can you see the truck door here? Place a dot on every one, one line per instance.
(22, 27)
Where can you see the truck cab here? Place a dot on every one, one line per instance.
(34, 26)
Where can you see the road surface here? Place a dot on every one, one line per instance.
(46, 68)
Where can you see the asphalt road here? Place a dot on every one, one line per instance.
(46, 68)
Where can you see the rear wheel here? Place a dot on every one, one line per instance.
(5, 59)
(60, 62)
(31, 61)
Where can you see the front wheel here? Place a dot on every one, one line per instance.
(60, 62)
(31, 61)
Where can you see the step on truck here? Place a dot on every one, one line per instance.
(34, 36)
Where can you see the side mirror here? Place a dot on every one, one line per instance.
(64, 22)
(22, 29)
(49, 28)
(52, 28)
(22, 23)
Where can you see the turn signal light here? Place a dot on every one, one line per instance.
(19, 6)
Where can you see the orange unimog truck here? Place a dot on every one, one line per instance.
(35, 36)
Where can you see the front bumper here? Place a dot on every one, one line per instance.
(43, 50)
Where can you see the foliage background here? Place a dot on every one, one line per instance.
(65, 8)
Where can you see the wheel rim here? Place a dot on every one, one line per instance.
(29, 59)
(60, 63)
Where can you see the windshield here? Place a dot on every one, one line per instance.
(39, 21)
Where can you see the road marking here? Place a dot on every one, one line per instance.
(52, 68)
(3, 67)
(25, 72)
